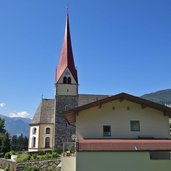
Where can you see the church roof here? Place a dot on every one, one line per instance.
(71, 114)
(89, 98)
(66, 58)
(45, 112)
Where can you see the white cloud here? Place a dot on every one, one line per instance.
(169, 105)
(23, 114)
(2, 105)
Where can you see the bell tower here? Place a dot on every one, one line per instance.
(66, 73)
(66, 85)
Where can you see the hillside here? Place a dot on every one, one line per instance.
(16, 126)
(162, 97)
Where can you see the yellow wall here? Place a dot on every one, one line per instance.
(67, 89)
(153, 123)
(119, 161)
(43, 135)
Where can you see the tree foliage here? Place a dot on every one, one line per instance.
(4, 138)
(8, 143)
(19, 143)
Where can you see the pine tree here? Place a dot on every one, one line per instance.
(4, 137)
(21, 142)
(25, 143)
(2, 126)
(6, 143)
(14, 141)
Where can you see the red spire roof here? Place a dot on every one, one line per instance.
(66, 58)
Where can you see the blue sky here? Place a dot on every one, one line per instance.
(119, 46)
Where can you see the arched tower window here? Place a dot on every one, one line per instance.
(65, 80)
(47, 130)
(47, 142)
(34, 130)
(34, 142)
(69, 80)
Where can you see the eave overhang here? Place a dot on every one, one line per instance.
(71, 114)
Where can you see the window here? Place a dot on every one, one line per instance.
(65, 80)
(106, 130)
(135, 125)
(160, 155)
(47, 142)
(34, 142)
(34, 130)
(47, 130)
(69, 80)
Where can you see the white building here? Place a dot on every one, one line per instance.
(122, 133)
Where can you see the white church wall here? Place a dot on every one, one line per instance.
(33, 134)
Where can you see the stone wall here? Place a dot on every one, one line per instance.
(43, 165)
(63, 131)
(4, 163)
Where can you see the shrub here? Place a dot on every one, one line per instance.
(46, 155)
(33, 156)
(71, 148)
(7, 155)
(23, 157)
(55, 155)
(12, 152)
(41, 153)
(41, 157)
(31, 168)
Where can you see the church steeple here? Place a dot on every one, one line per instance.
(66, 58)
(66, 73)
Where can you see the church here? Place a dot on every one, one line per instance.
(49, 128)
(123, 131)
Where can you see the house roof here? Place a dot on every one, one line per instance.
(123, 145)
(66, 58)
(44, 113)
(71, 114)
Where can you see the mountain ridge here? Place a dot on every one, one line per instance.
(16, 125)
(162, 97)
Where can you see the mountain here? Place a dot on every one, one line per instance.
(16, 125)
(162, 97)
